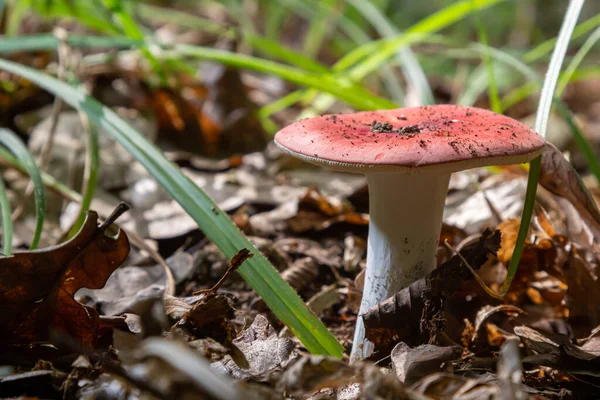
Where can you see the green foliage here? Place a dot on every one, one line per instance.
(7, 228)
(259, 273)
(12, 142)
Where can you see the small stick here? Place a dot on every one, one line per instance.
(235, 263)
(121, 208)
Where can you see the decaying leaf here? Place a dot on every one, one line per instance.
(480, 338)
(559, 177)
(557, 351)
(583, 292)
(265, 351)
(336, 379)
(418, 309)
(411, 365)
(37, 287)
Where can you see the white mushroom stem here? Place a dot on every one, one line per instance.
(404, 229)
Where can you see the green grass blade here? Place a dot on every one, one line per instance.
(576, 61)
(343, 89)
(544, 48)
(260, 43)
(375, 54)
(439, 20)
(319, 27)
(131, 30)
(47, 179)
(7, 228)
(218, 227)
(493, 96)
(50, 42)
(580, 140)
(87, 12)
(12, 142)
(92, 167)
(404, 55)
(541, 123)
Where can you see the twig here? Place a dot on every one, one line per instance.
(234, 264)
(121, 208)
(485, 287)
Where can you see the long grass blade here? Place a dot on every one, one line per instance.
(7, 228)
(404, 55)
(546, 47)
(12, 142)
(541, 123)
(493, 96)
(218, 227)
(92, 167)
(565, 77)
(50, 42)
(580, 140)
(343, 89)
(379, 52)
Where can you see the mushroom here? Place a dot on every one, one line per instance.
(407, 156)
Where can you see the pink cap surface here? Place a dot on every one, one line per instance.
(430, 137)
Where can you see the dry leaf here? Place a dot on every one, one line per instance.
(37, 287)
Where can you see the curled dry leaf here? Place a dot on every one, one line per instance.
(398, 317)
(557, 351)
(559, 177)
(480, 338)
(37, 287)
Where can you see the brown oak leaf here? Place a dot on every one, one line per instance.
(37, 287)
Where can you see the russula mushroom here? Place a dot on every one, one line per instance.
(407, 156)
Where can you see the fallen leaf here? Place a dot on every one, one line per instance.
(265, 351)
(37, 287)
(582, 293)
(418, 309)
(357, 381)
(557, 351)
(559, 177)
(411, 364)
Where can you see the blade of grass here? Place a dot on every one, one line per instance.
(87, 12)
(534, 84)
(404, 55)
(318, 29)
(264, 45)
(576, 61)
(345, 90)
(375, 55)
(12, 142)
(544, 48)
(218, 227)
(131, 30)
(7, 228)
(379, 52)
(49, 42)
(92, 165)
(493, 96)
(478, 82)
(580, 140)
(6, 158)
(541, 124)
(341, 88)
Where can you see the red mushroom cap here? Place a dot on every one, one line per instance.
(435, 137)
